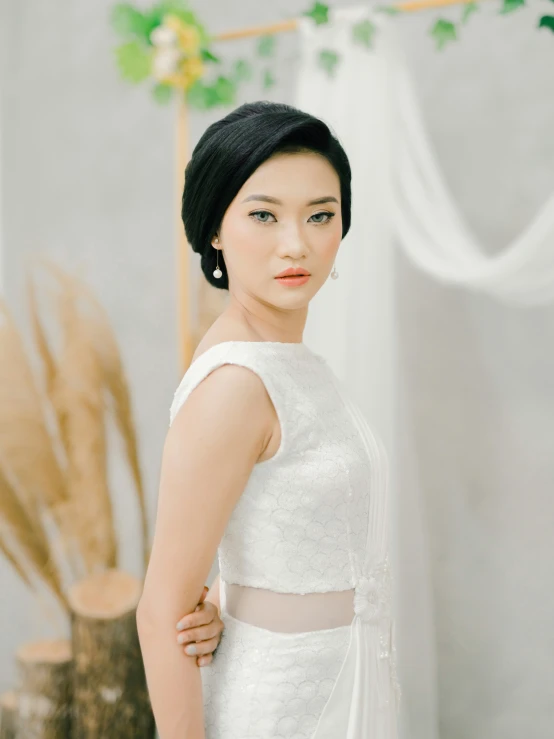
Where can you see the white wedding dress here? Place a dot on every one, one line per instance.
(307, 651)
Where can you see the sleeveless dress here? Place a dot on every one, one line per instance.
(311, 519)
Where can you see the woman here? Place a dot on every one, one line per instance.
(269, 463)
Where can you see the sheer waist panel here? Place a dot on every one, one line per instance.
(289, 612)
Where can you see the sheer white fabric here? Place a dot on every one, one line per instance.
(289, 612)
(304, 566)
(433, 232)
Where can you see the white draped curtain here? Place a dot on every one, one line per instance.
(455, 542)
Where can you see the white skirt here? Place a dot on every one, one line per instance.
(270, 685)
(330, 683)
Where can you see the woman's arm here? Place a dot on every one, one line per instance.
(210, 450)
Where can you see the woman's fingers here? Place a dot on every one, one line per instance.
(207, 646)
(199, 633)
(204, 614)
(205, 592)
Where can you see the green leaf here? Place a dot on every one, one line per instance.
(266, 46)
(176, 7)
(242, 70)
(508, 6)
(443, 32)
(207, 56)
(225, 90)
(127, 21)
(134, 61)
(221, 92)
(153, 19)
(268, 80)
(319, 13)
(162, 93)
(547, 21)
(388, 9)
(468, 11)
(328, 60)
(170, 7)
(197, 95)
(363, 32)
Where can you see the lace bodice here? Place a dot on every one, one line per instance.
(301, 523)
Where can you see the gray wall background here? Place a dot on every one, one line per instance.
(88, 179)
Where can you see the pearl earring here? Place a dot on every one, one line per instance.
(217, 272)
(334, 273)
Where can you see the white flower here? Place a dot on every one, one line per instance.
(165, 62)
(162, 36)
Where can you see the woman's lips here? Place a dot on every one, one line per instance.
(294, 279)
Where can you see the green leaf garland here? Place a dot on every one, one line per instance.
(186, 53)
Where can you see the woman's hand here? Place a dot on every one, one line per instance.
(201, 630)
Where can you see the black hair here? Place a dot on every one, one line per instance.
(230, 150)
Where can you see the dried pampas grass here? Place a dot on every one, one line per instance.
(25, 533)
(13, 559)
(53, 439)
(118, 388)
(25, 439)
(78, 398)
(115, 382)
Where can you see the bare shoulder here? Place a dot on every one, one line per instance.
(230, 400)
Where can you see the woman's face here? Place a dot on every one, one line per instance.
(287, 214)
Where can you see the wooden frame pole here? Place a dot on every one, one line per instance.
(184, 324)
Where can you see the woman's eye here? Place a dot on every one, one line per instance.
(264, 216)
(261, 213)
(328, 216)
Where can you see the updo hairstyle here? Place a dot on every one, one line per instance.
(230, 150)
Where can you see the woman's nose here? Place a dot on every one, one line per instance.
(293, 243)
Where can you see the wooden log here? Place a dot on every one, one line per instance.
(44, 690)
(109, 685)
(8, 714)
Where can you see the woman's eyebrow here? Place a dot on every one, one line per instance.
(269, 199)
